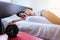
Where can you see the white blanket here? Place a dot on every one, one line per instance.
(38, 19)
(48, 31)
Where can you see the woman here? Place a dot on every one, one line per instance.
(23, 14)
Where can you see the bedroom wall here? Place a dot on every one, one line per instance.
(38, 5)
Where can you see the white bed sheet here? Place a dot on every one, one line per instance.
(47, 31)
(38, 19)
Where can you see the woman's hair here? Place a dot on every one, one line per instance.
(19, 13)
(12, 30)
(29, 8)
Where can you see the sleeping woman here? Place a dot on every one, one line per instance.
(23, 15)
(12, 29)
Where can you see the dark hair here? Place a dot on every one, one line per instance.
(12, 30)
(20, 12)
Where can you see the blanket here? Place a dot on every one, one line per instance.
(47, 31)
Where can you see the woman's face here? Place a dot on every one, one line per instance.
(22, 15)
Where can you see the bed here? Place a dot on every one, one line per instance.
(47, 31)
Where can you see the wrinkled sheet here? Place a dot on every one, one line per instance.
(38, 19)
(47, 31)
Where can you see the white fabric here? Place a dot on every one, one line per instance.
(6, 20)
(4, 37)
(48, 31)
(38, 19)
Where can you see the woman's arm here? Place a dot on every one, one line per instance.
(13, 21)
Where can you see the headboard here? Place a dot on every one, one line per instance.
(8, 9)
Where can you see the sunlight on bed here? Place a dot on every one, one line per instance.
(56, 12)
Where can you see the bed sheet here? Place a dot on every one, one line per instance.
(47, 31)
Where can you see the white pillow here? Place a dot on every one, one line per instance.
(6, 20)
(4, 37)
(38, 19)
